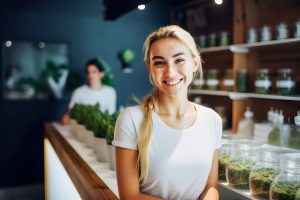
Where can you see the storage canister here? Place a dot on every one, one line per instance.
(263, 81)
(286, 82)
(286, 184)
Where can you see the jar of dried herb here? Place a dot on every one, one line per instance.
(226, 151)
(239, 165)
(285, 83)
(264, 172)
(263, 81)
(213, 81)
(286, 184)
(228, 82)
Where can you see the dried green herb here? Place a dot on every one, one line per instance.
(285, 191)
(238, 173)
(223, 160)
(294, 143)
(260, 181)
(274, 136)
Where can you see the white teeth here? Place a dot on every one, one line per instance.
(173, 82)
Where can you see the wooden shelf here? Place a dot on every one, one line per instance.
(214, 49)
(240, 95)
(244, 48)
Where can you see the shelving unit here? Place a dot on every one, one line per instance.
(240, 95)
(273, 55)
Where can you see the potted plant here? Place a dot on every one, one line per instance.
(73, 121)
(92, 113)
(100, 145)
(110, 129)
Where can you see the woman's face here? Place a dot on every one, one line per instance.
(93, 75)
(171, 66)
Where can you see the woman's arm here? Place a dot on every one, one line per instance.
(211, 189)
(127, 175)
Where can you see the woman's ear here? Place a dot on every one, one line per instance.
(195, 68)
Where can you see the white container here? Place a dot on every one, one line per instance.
(90, 139)
(81, 132)
(100, 147)
(112, 157)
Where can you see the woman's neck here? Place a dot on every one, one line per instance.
(96, 86)
(174, 106)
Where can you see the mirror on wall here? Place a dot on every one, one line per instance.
(34, 70)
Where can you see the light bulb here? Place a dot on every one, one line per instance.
(219, 2)
(141, 6)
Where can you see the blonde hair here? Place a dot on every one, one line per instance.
(150, 102)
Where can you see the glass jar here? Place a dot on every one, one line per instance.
(282, 31)
(264, 172)
(226, 151)
(252, 35)
(286, 82)
(297, 28)
(242, 80)
(263, 81)
(294, 138)
(224, 40)
(286, 184)
(239, 165)
(265, 34)
(228, 80)
(212, 40)
(198, 82)
(202, 41)
(212, 81)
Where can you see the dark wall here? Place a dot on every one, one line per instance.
(81, 24)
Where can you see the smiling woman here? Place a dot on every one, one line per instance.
(166, 148)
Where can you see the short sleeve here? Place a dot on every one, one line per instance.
(219, 128)
(125, 133)
(112, 103)
(74, 99)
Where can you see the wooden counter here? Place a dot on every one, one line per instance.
(83, 170)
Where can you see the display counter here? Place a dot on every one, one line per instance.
(72, 170)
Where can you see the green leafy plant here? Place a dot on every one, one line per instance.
(110, 129)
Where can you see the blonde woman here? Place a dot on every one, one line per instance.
(167, 147)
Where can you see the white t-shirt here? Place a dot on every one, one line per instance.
(180, 159)
(106, 97)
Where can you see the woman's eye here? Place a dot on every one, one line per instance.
(180, 60)
(158, 63)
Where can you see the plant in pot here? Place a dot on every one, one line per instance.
(92, 111)
(73, 120)
(81, 116)
(110, 129)
(100, 146)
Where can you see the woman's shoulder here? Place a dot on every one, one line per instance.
(133, 111)
(206, 110)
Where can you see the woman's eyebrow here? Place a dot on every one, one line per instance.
(157, 57)
(178, 54)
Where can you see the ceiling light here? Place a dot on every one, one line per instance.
(219, 2)
(141, 6)
(8, 43)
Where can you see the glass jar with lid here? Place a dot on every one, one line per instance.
(228, 82)
(264, 172)
(242, 80)
(263, 81)
(294, 137)
(239, 165)
(212, 81)
(287, 182)
(286, 82)
(226, 151)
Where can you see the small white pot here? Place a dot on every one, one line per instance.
(112, 157)
(100, 147)
(90, 139)
(81, 132)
